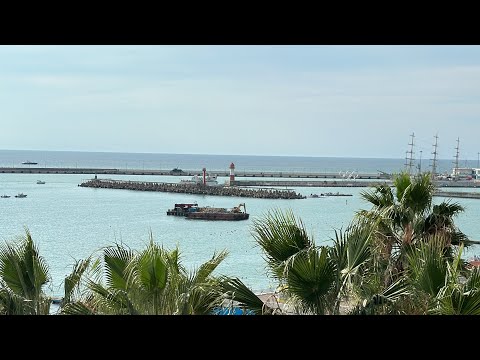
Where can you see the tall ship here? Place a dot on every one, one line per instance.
(193, 211)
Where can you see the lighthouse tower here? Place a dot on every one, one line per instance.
(204, 170)
(232, 174)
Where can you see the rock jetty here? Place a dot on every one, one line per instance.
(192, 189)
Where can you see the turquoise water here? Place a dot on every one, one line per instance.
(70, 222)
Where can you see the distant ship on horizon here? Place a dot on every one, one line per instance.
(29, 163)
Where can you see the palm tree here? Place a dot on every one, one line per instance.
(389, 260)
(405, 217)
(152, 281)
(313, 279)
(23, 274)
(443, 284)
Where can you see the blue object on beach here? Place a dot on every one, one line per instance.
(232, 311)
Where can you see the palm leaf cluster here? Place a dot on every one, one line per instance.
(152, 281)
(406, 216)
(311, 279)
(23, 276)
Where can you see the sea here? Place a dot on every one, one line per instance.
(69, 223)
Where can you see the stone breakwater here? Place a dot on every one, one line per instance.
(192, 189)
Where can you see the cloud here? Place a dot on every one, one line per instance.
(169, 92)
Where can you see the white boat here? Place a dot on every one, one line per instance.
(40, 182)
(21, 195)
(5, 196)
(210, 180)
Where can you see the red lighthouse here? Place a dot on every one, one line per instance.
(204, 176)
(232, 174)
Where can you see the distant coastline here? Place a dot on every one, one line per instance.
(213, 163)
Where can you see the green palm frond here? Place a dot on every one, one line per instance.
(206, 269)
(33, 264)
(358, 251)
(448, 209)
(72, 281)
(11, 269)
(77, 308)
(427, 266)
(280, 236)
(24, 272)
(199, 292)
(13, 304)
(473, 282)
(116, 259)
(201, 299)
(441, 217)
(396, 290)
(401, 182)
(237, 291)
(380, 302)
(339, 250)
(459, 304)
(418, 196)
(152, 269)
(311, 276)
(350, 253)
(148, 273)
(380, 197)
(458, 237)
(111, 301)
(174, 261)
(458, 299)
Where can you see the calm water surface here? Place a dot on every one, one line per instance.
(70, 223)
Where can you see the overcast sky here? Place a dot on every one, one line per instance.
(346, 101)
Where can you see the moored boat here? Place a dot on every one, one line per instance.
(181, 209)
(193, 211)
(205, 180)
(29, 162)
(5, 196)
(210, 180)
(21, 195)
(40, 182)
(334, 194)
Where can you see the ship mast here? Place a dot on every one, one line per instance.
(420, 164)
(455, 171)
(434, 160)
(409, 160)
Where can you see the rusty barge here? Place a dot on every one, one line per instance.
(193, 211)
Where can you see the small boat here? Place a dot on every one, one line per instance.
(176, 171)
(210, 180)
(5, 196)
(205, 179)
(29, 162)
(334, 194)
(57, 300)
(40, 182)
(21, 195)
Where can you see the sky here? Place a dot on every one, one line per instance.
(315, 100)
